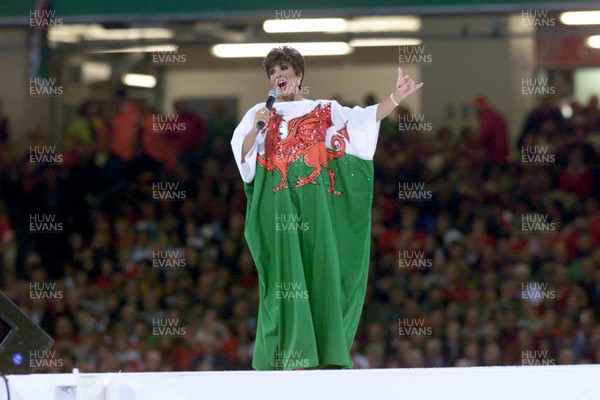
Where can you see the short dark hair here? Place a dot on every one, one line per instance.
(121, 92)
(285, 54)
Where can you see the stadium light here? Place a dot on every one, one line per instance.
(242, 50)
(139, 80)
(593, 42)
(580, 18)
(339, 25)
(165, 48)
(304, 25)
(384, 24)
(382, 42)
(92, 32)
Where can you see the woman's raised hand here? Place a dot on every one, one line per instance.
(404, 86)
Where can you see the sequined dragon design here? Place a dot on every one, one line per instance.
(306, 138)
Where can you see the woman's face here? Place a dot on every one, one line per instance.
(284, 79)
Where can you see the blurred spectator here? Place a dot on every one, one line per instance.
(4, 128)
(7, 242)
(193, 128)
(155, 142)
(592, 113)
(85, 133)
(187, 136)
(493, 133)
(126, 127)
(577, 178)
(369, 100)
(219, 126)
(545, 117)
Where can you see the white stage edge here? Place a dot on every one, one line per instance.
(577, 382)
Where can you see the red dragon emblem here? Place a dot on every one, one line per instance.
(306, 138)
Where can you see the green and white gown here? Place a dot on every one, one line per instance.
(309, 183)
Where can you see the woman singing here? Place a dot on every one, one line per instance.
(308, 177)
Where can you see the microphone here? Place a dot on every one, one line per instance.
(273, 94)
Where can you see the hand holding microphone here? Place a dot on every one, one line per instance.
(262, 116)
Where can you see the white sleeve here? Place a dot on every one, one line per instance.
(247, 167)
(363, 128)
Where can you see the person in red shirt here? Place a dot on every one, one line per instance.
(493, 135)
(7, 234)
(577, 178)
(154, 139)
(195, 128)
(126, 123)
(187, 139)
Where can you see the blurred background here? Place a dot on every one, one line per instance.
(122, 210)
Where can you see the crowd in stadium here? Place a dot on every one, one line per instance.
(146, 267)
